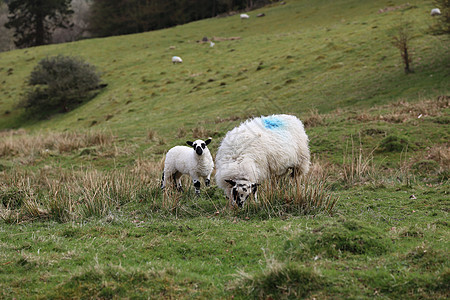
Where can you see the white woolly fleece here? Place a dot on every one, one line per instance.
(261, 147)
(184, 160)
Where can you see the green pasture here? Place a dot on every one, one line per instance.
(81, 212)
(304, 55)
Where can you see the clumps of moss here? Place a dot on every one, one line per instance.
(338, 238)
(285, 281)
(393, 143)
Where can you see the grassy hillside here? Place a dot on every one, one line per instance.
(302, 55)
(82, 214)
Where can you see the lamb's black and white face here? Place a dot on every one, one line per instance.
(241, 190)
(199, 145)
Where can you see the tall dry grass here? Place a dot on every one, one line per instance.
(299, 195)
(358, 166)
(20, 143)
(73, 194)
(314, 118)
(403, 111)
(69, 195)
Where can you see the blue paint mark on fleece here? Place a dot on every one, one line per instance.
(272, 123)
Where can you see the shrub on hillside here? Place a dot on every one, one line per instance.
(401, 40)
(59, 84)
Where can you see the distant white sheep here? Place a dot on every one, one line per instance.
(245, 16)
(258, 149)
(176, 60)
(196, 161)
(435, 12)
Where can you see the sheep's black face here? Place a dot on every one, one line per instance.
(241, 190)
(199, 145)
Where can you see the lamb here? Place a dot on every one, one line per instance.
(435, 12)
(176, 59)
(258, 149)
(245, 16)
(196, 162)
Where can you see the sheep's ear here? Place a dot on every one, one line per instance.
(190, 143)
(255, 187)
(231, 182)
(208, 141)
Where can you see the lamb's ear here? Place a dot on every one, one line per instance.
(208, 141)
(231, 182)
(190, 143)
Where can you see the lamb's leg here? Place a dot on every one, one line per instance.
(177, 181)
(196, 182)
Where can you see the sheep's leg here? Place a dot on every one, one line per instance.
(177, 181)
(229, 197)
(297, 171)
(208, 180)
(196, 186)
(255, 192)
(163, 181)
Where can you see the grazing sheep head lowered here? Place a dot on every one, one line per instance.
(258, 150)
(241, 190)
(199, 145)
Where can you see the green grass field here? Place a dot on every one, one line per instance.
(82, 215)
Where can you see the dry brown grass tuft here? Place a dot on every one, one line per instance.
(152, 135)
(21, 143)
(440, 154)
(321, 169)
(358, 167)
(403, 111)
(314, 118)
(148, 171)
(181, 133)
(304, 194)
(69, 195)
(200, 132)
(229, 119)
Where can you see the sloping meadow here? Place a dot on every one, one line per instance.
(82, 214)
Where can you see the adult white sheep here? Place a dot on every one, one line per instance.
(176, 60)
(195, 161)
(244, 16)
(435, 12)
(256, 150)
